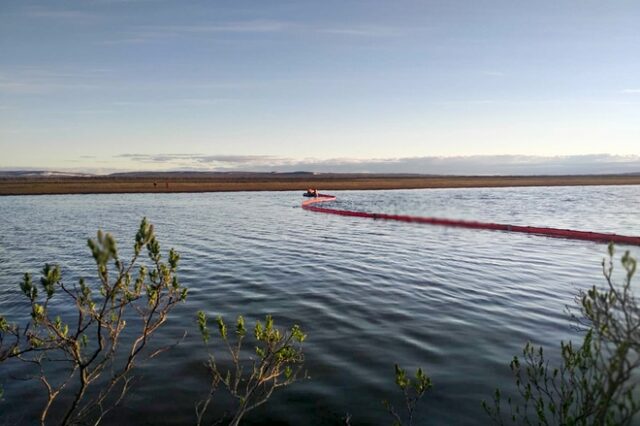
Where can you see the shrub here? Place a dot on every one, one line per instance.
(595, 383)
(95, 358)
(277, 362)
(412, 391)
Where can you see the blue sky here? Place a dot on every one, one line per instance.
(153, 84)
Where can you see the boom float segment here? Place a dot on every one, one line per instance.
(549, 232)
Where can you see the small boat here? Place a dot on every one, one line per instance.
(311, 193)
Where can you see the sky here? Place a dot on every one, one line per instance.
(418, 86)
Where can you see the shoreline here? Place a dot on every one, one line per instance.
(171, 183)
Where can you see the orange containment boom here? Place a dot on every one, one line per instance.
(549, 232)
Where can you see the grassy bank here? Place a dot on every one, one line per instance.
(274, 182)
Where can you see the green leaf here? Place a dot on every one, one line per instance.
(202, 325)
(240, 327)
(222, 327)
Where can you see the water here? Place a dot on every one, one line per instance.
(458, 302)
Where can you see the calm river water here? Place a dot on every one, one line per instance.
(458, 302)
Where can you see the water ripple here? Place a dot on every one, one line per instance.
(458, 302)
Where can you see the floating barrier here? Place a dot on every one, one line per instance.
(549, 232)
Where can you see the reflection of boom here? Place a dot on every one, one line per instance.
(549, 232)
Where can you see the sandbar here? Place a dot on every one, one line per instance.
(224, 182)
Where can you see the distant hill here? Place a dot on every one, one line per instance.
(39, 173)
(241, 175)
(196, 175)
(38, 182)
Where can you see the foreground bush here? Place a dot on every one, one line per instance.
(93, 359)
(277, 362)
(85, 365)
(413, 390)
(596, 382)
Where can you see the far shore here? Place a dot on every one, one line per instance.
(176, 182)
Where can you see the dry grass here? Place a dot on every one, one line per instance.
(106, 185)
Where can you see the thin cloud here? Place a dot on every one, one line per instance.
(241, 159)
(85, 111)
(363, 31)
(39, 87)
(195, 159)
(122, 1)
(32, 80)
(231, 27)
(494, 73)
(175, 102)
(150, 33)
(59, 14)
(158, 158)
(630, 91)
(461, 165)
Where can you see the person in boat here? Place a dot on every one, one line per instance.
(312, 192)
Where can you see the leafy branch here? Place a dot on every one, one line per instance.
(277, 362)
(595, 383)
(412, 391)
(93, 343)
